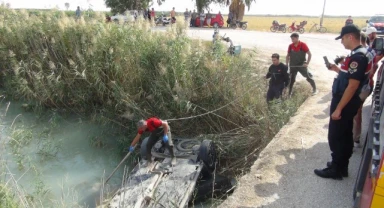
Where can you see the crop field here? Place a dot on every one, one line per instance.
(333, 24)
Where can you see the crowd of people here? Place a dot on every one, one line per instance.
(353, 84)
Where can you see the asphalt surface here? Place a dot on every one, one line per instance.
(283, 175)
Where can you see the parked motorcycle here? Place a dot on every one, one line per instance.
(162, 19)
(168, 21)
(239, 24)
(278, 27)
(299, 28)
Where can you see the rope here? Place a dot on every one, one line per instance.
(212, 111)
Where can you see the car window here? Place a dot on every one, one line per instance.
(377, 19)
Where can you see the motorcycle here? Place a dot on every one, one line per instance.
(162, 19)
(239, 24)
(299, 28)
(168, 21)
(278, 27)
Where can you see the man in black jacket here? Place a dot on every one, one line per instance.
(278, 72)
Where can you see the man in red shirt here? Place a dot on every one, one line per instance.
(158, 128)
(296, 58)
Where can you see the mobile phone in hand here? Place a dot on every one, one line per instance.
(327, 64)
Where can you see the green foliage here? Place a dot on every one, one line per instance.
(128, 71)
(118, 6)
(7, 199)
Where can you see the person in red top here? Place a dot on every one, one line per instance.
(296, 59)
(153, 14)
(158, 128)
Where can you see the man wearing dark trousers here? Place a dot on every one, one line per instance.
(159, 129)
(345, 103)
(279, 78)
(296, 58)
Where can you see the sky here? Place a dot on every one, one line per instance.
(273, 7)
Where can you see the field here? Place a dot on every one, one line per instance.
(333, 24)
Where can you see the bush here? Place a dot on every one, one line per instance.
(130, 71)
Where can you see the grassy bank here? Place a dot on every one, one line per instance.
(127, 72)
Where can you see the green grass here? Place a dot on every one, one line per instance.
(120, 71)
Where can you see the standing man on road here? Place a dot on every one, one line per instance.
(371, 33)
(365, 91)
(193, 18)
(78, 13)
(202, 18)
(159, 129)
(278, 72)
(345, 103)
(296, 58)
(349, 21)
(209, 19)
(173, 15)
(186, 16)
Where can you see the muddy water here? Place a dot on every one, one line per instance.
(64, 158)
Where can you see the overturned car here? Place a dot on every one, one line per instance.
(192, 179)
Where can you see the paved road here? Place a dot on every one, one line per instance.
(283, 175)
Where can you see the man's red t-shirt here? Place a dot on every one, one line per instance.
(152, 124)
(300, 46)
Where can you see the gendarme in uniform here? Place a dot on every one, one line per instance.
(349, 82)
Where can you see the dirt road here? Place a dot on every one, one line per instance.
(283, 175)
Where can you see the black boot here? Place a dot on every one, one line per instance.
(313, 85)
(173, 157)
(343, 171)
(330, 172)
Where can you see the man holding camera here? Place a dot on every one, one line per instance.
(345, 103)
(279, 78)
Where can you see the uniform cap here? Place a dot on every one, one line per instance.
(348, 29)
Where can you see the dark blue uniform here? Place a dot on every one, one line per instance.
(279, 80)
(340, 135)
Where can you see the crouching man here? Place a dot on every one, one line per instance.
(279, 78)
(158, 129)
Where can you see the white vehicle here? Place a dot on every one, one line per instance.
(129, 16)
(192, 179)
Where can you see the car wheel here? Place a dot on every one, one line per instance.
(186, 145)
(207, 154)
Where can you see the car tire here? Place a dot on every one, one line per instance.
(207, 154)
(186, 145)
